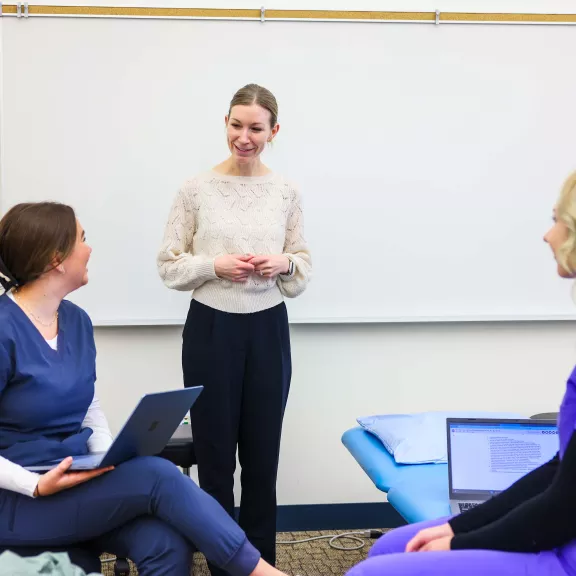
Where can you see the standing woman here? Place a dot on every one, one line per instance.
(235, 237)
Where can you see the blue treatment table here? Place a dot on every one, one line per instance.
(417, 491)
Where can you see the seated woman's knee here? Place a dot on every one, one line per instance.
(151, 465)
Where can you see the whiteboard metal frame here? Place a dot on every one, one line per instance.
(344, 321)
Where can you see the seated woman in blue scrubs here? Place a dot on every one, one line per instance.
(528, 529)
(144, 509)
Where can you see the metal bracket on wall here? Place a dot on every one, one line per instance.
(22, 13)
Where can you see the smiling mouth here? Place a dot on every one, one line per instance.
(243, 149)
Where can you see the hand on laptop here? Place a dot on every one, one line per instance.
(435, 538)
(59, 478)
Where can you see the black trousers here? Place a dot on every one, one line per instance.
(244, 363)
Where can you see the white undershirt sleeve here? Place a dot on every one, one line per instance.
(17, 479)
(101, 438)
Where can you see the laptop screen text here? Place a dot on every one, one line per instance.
(492, 456)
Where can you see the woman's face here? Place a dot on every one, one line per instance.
(555, 238)
(248, 130)
(75, 266)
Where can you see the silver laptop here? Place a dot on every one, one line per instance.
(145, 433)
(486, 456)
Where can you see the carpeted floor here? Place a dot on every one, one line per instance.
(315, 558)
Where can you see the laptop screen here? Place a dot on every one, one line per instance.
(489, 456)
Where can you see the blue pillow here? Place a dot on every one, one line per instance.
(420, 438)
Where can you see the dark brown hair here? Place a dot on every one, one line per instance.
(254, 94)
(32, 236)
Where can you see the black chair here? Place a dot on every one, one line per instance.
(180, 451)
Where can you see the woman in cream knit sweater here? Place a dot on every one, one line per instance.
(235, 238)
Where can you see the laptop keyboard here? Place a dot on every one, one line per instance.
(467, 505)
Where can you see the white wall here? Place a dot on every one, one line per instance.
(345, 371)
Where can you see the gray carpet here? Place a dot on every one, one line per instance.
(315, 558)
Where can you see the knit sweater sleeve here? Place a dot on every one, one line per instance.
(543, 522)
(178, 267)
(296, 249)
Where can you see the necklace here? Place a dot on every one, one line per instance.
(30, 313)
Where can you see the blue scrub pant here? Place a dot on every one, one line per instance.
(144, 509)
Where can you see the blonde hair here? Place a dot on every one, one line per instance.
(566, 212)
(254, 94)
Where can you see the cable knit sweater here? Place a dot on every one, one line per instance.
(215, 214)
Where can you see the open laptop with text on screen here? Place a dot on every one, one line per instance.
(486, 456)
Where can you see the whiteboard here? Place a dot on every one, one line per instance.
(429, 158)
